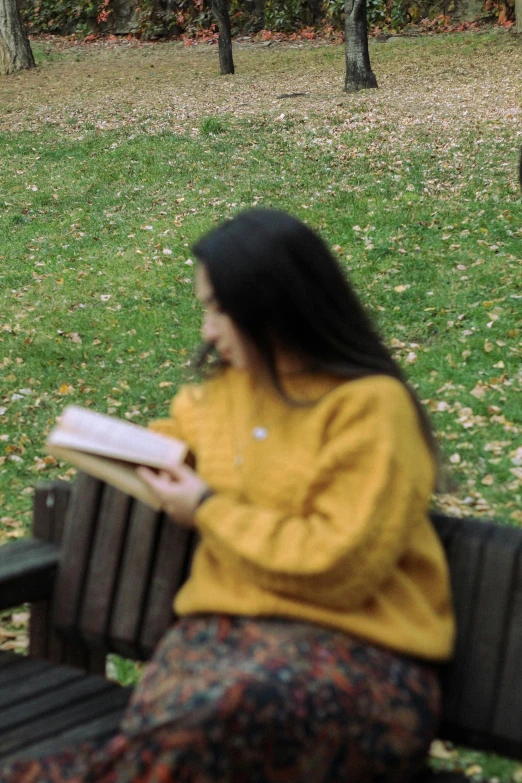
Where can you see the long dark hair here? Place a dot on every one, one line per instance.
(279, 283)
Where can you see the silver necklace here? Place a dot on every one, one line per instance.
(259, 432)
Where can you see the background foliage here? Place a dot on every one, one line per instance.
(149, 19)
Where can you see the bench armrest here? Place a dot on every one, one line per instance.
(27, 571)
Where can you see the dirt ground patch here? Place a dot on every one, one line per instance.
(454, 81)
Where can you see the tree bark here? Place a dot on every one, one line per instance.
(220, 11)
(518, 16)
(15, 49)
(359, 74)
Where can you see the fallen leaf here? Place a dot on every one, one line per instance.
(397, 343)
(479, 391)
(20, 618)
(10, 522)
(441, 750)
(75, 337)
(516, 456)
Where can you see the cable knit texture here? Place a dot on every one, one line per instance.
(321, 517)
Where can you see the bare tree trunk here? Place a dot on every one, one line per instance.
(15, 49)
(359, 74)
(518, 16)
(220, 11)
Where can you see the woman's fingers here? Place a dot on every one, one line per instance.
(154, 480)
(180, 472)
(174, 471)
(145, 473)
(178, 490)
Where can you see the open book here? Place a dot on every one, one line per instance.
(111, 449)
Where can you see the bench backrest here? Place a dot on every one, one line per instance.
(121, 564)
(483, 684)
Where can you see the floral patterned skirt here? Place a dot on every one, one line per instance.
(243, 700)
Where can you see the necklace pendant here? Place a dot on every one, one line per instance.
(260, 433)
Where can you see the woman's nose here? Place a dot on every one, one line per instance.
(208, 329)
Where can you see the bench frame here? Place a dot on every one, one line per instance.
(101, 571)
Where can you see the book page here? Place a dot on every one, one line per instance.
(95, 433)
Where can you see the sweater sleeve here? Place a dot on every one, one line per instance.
(372, 482)
(180, 423)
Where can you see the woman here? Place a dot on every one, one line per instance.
(318, 603)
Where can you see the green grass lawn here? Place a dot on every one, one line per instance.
(111, 169)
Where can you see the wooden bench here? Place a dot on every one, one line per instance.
(101, 571)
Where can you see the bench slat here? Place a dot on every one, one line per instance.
(8, 659)
(485, 653)
(136, 568)
(51, 499)
(76, 550)
(508, 708)
(49, 508)
(103, 566)
(36, 729)
(464, 551)
(99, 730)
(17, 672)
(36, 683)
(42, 705)
(174, 558)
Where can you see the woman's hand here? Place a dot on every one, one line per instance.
(179, 491)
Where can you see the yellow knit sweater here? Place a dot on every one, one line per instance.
(320, 513)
